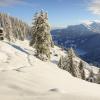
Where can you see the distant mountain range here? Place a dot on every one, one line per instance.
(84, 38)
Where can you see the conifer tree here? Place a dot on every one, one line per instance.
(72, 64)
(9, 34)
(91, 77)
(91, 74)
(14, 28)
(98, 77)
(71, 54)
(81, 67)
(34, 30)
(41, 39)
(61, 62)
(69, 64)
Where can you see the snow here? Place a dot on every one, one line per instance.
(24, 77)
(87, 22)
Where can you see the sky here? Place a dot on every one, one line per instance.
(61, 13)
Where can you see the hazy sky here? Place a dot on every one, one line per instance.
(61, 12)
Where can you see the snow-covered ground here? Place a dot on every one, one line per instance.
(24, 77)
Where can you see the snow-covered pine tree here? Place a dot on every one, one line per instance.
(64, 63)
(91, 74)
(41, 39)
(98, 77)
(81, 67)
(34, 30)
(71, 53)
(72, 64)
(69, 64)
(61, 62)
(11, 25)
(1, 21)
(91, 77)
(9, 34)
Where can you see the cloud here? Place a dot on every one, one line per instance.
(5, 3)
(10, 2)
(94, 7)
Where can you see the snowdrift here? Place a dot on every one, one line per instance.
(24, 77)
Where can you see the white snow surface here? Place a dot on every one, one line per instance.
(25, 77)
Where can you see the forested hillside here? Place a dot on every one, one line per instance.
(14, 27)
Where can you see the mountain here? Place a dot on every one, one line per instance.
(93, 26)
(25, 77)
(84, 37)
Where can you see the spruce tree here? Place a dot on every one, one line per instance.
(68, 63)
(72, 64)
(71, 54)
(91, 74)
(81, 67)
(41, 39)
(98, 77)
(61, 62)
(91, 77)
(9, 34)
(14, 28)
(34, 30)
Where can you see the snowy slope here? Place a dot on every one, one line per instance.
(24, 77)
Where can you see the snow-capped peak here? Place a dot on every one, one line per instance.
(92, 25)
(87, 22)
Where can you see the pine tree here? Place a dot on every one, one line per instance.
(91, 77)
(72, 64)
(41, 39)
(91, 74)
(98, 77)
(68, 63)
(34, 30)
(71, 53)
(14, 28)
(61, 63)
(81, 67)
(9, 34)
